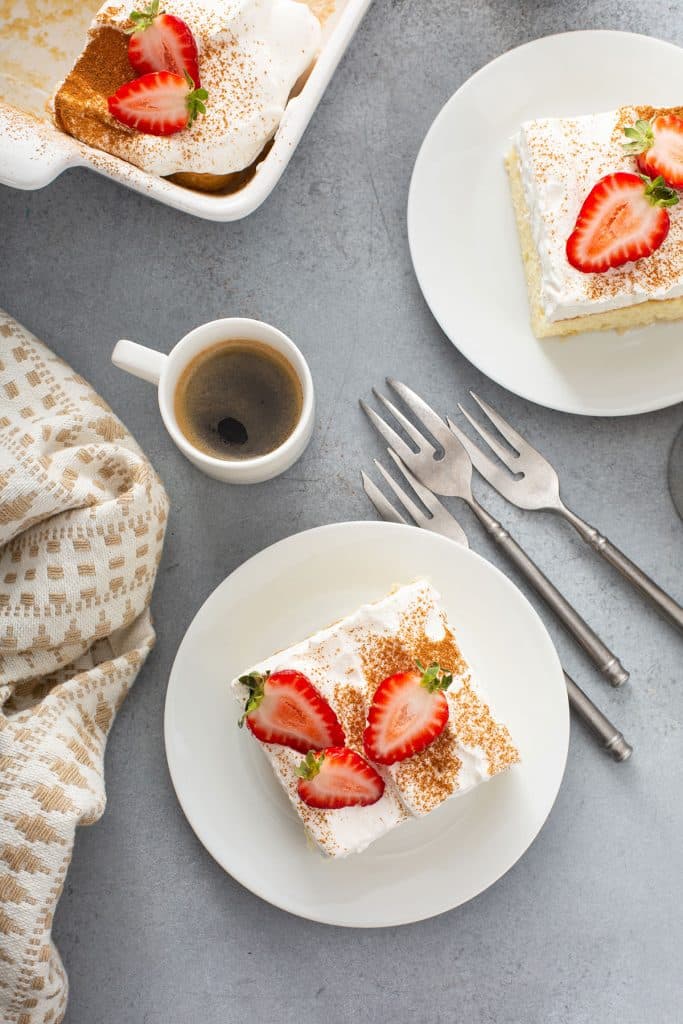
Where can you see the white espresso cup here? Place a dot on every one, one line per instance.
(165, 370)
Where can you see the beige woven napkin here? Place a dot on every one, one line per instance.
(82, 518)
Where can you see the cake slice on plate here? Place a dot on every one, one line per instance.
(373, 720)
(600, 223)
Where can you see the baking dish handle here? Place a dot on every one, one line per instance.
(32, 153)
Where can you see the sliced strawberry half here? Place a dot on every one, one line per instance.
(162, 42)
(161, 103)
(338, 777)
(408, 712)
(657, 145)
(284, 707)
(623, 218)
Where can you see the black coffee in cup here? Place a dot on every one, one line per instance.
(238, 399)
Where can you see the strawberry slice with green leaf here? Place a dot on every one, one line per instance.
(623, 218)
(284, 707)
(657, 145)
(162, 42)
(338, 777)
(408, 711)
(161, 103)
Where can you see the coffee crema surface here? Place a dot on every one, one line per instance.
(238, 399)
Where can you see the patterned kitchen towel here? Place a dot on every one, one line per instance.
(82, 519)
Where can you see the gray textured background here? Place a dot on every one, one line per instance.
(587, 926)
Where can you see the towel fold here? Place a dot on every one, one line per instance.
(82, 520)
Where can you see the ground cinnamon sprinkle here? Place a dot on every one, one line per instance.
(432, 775)
(664, 265)
(81, 102)
(350, 708)
(382, 656)
(347, 661)
(651, 276)
(233, 69)
(625, 118)
(474, 726)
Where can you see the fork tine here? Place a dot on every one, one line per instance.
(481, 462)
(382, 504)
(410, 428)
(507, 457)
(387, 432)
(427, 497)
(408, 504)
(508, 432)
(440, 521)
(434, 424)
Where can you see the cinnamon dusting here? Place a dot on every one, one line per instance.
(81, 102)
(350, 708)
(347, 662)
(382, 656)
(653, 275)
(237, 101)
(430, 777)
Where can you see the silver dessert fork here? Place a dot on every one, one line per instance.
(535, 485)
(441, 521)
(452, 475)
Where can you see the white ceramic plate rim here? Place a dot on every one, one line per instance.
(235, 579)
(466, 343)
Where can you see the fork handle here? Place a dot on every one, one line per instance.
(663, 602)
(610, 737)
(599, 652)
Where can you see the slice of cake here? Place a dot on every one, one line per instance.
(555, 167)
(133, 90)
(350, 668)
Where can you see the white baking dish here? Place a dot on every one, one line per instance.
(35, 54)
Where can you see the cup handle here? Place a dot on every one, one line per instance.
(142, 362)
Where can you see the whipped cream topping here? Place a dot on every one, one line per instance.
(251, 53)
(560, 160)
(346, 662)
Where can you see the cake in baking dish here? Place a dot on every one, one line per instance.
(190, 89)
(373, 720)
(600, 223)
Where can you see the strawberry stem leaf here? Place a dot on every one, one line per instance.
(255, 683)
(143, 19)
(640, 137)
(310, 766)
(434, 678)
(658, 192)
(195, 99)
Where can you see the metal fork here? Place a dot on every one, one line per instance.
(452, 475)
(536, 486)
(441, 521)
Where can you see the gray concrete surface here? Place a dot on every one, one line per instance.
(587, 926)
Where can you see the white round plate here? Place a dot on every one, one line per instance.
(463, 237)
(234, 802)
